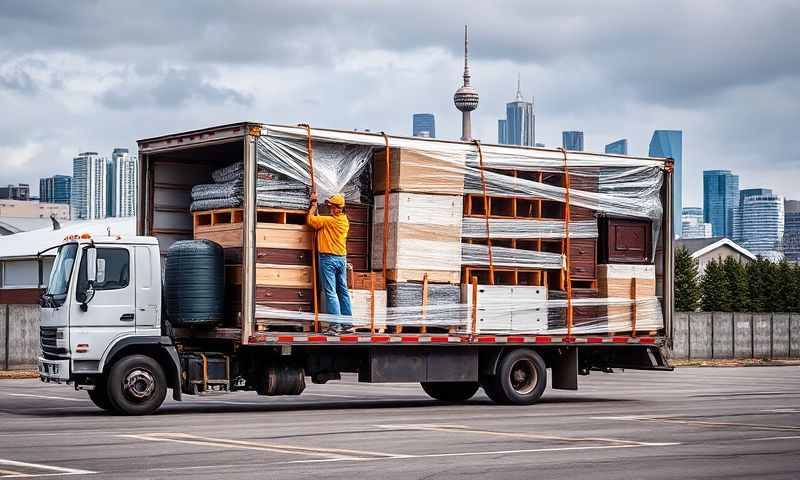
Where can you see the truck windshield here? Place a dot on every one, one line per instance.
(62, 272)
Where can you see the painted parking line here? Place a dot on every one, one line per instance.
(15, 469)
(529, 436)
(49, 397)
(702, 423)
(327, 454)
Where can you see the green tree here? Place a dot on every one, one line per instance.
(736, 276)
(687, 289)
(783, 289)
(794, 292)
(714, 288)
(758, 272)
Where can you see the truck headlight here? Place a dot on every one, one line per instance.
(60, 340)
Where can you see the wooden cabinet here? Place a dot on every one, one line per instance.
(625, 240)
(583, 259)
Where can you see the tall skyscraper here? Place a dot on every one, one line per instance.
(669, 143)
(501, 132)
(620, 147)
(758, 223)
(424, 125)
(16, 192)
(123, 183)
(55, 189)
(791, 230)
(692, 225)
(720, 199)
(466, 97)
(520, 124)
(572, 140)
(88, 196)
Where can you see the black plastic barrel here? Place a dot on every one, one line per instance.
(194, 282)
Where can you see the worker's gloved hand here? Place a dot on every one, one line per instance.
(350, 266)
(313, 198)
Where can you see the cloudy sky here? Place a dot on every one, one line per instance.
(91, 75)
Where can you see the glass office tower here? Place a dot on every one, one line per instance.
(720, 199)
(669, 143)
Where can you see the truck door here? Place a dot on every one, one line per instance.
(148, 290)
(110, 313)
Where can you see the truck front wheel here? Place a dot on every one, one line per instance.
(99, 396)
(450, 391)
(520, 379)
(137, 385)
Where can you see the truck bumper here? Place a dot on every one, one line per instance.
(54, 370)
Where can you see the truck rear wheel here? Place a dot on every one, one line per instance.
(450, 391)
(136, 385)
(99, 396)
(520, 379)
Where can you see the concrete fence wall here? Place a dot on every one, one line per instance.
(725, 335)
(19, 336)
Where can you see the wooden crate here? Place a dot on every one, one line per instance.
(361, 280)
(434, 276)
(616, 281)
(414, 171)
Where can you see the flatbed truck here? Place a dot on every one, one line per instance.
(114, 342)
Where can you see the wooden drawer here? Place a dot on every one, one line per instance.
(282, 294)
(583, 259)
(581, 213)
(625, 240)
(358, 213)
(283, 275)
(360, 262)
(291, 306)
(584, 316)
(357, 247)
(283, 236)
(283, 256)
(358, 231)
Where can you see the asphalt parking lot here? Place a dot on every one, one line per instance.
(692, 423)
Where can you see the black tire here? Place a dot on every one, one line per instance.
(490, 388)
(452, 392)
(136, 385)
(520, 379)
(99, 396)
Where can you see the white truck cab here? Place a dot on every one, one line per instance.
(104, 294)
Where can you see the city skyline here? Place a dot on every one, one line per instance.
(339, 80)
(669, 143)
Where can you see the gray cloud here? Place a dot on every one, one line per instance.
(169, 88)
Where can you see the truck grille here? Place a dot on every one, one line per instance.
(47, 340)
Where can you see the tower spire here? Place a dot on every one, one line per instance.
(467, 76)
(466, 98)
(519, 89)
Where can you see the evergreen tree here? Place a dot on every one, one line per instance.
(784, 288)
(794, 292)
(757, 273)
(714, 288)
(687, 290)
(736, 276)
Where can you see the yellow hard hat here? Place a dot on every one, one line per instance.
(337, 199)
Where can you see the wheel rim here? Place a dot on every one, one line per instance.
(523, 376)
(139, 384)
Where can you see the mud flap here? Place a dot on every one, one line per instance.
(565, 369)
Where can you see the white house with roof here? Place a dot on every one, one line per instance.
(703, 250)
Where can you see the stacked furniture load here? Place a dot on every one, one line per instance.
(284, 272)
(421, 232)
(527, 239)
(452, 236)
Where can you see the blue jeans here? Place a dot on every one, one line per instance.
(333, 276)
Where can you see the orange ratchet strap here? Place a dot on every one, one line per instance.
(566, 243)
(486, 212)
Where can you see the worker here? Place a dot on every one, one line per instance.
(332, 245)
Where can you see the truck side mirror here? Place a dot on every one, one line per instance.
(91, 277)
(91, 265)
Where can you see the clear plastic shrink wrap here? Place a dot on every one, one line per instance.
(425, 172)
